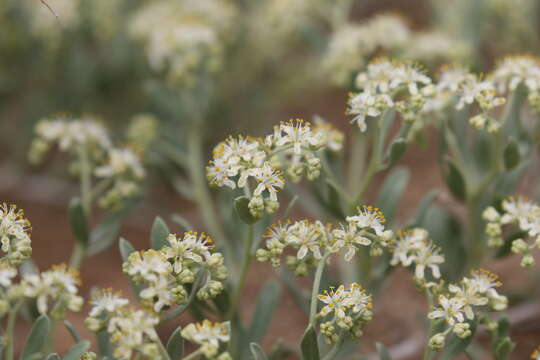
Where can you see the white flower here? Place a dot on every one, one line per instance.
(515, 70)
(307, 236)
(192, 247)
(407, 245)
(450, 309)
(207, 333)
(106, 300)
(148, 265)
(367, 104)
(358, 299)
(483, 92)
(486, 282)
(131, 330)
(336, 301)
(14, 234)
(298, 134)
(159, 292)
(428, 256)
(368, 217)
(332, 137)
(268, 179)
(121, 162)
(518, 210)
(7, 273)
(469, 293)
(349, 236)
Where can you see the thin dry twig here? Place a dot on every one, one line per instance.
(49, 7)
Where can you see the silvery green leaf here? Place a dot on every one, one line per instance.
(391, 192)
(332, 199)
(267, 303)
(159, 234)
(454, 180)
(396, 151)
(257, 352)
(78, 221)
(182, 222)
(104, 344)
(175, 345)
(77, 350)
(36, 341)
(456, 345)
(383, 352)
(309, 345)
(511, 155)
(422, 208)
(241, 206)
(125, 250)
(72, 331)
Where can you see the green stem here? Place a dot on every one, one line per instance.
(248, 257)
(193, 355)
(79, 249)
(315, 290)
(9, 329)
(334, 350)
(200, 188)
(357, 159)
(428, 354)
(162, 350)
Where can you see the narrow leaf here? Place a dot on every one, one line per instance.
(76, 352)
(257, 352)
(269, 298)
(454, 180)
(159, 234)
(175, 345)
(503, 349)
(511, 155)
(309, 345)
(72, 331)
(37, 339)
(391, 192)
(78, 221)
(396, 151)
(383, 352)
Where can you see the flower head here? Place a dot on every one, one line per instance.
(14, 234)
(209, 335)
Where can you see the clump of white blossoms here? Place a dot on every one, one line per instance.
(189, 40)
(513, 71)
(55, 290)
(389, 84)
(69, 134)
(351, 44)
(314, 240)
(14, 235)
(210, 336)
(164, 273)
(462, 303)
(435, 47)
(131, 330)
(257, 165)
(415, 247)
(518, 212)
(349, 308)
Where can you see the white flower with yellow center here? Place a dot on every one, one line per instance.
(449, 309)
(307, 237)
(518, 210)
(468, 292)
(7, 273)
(298, 134)
(486, 282)
(148, 265)
(515, 70)
(358, 299)
(208, 334)
(121, 162)
(367, 104)
(192, 247)
(268, 179)
(428, 257)
(348, 236)
(14, 234)
(368, 217)
(335, 301)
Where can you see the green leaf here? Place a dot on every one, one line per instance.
(104, 344)
(396, 151)
(182, 222)
(125, 250)
(332, 199)
(422, 208)
(175, 345)
(241, 206)
(54, 356)
(106, 233)
(39, 335)
(269, 298)
(457, 345)
(72, 331)
(454, 180)
(503, 348)
(383, 352)
(78, 221)
(391, 192)
(511, 155)
(257, 352)
(77, 350)
(159, 234)
(309, 345)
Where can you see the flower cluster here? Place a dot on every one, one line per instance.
(514, 71)
(519, 212)
(313, 240)
(14, 235)
(7, 295)
(209, 336)
(414, 246)
(434, 47)
(257, 165)
(461, 302)
(55, 290)
(351, 44)
(131, 330)
(351, 309)
(387, 85)
(189, 39)
(164, 273)
(119, 168)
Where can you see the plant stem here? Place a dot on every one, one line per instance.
(427, 352)
(200, 188)
(79, 249)
(162, 350)
(334, 350)
(248, 257)
(315, 290)
(193, 355)
(9, 329)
